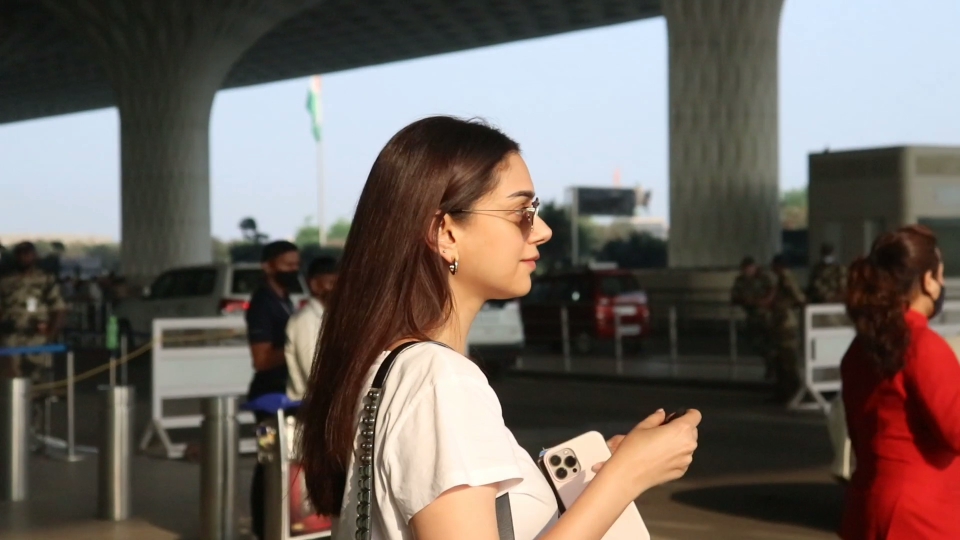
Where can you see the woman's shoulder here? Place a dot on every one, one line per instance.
(433, 362)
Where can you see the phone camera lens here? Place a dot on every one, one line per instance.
(555, 461)
(570, 462)
(561, 473)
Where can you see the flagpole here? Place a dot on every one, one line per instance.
(321, 218)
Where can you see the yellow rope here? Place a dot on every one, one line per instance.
(54, 386)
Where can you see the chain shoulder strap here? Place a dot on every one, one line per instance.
(368, 425)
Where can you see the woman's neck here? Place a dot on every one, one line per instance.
(454, 332)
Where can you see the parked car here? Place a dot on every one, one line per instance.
(594, 298)
(197, 291)
(496, 337)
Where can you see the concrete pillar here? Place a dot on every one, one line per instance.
(724, 180)
(166, 60)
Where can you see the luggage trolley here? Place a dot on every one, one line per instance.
(288, 514)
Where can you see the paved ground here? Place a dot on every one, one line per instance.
(760, 472)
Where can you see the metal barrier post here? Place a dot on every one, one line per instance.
(14, 438)
(270, 455)
(218, 468)
(565, 336)
(71, 454)
(618, 343)
(673, 333)
(116, 429)
(123, 356)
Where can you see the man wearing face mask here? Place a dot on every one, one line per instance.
(270, 310)
(31, 313)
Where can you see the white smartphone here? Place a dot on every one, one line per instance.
(569, 469)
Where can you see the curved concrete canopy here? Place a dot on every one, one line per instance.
(46, 70)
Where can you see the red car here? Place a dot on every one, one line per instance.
(593, 298)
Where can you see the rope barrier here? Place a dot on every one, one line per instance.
(56, 386)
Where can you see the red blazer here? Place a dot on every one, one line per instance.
(905, 432)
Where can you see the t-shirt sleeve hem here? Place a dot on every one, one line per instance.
(504, 477)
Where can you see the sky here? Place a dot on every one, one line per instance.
(853, 74)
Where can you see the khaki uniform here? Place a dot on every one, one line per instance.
(28, 302)
(786, 332)
(747, 292)
(828, 283)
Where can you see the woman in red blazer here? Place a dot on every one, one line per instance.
(901, 391)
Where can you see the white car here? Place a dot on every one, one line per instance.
(196, 291)
(496, 337)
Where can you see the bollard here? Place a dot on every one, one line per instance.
(673, 334)
(565, 336)
(218, 468)
(116, 440)
(270, 454)
(14, 438)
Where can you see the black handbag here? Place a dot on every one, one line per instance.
(368, 424)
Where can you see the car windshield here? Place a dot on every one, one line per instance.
(246, 280)
(618, 284)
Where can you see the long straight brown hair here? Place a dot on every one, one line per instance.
(392, 283)
(881, 286)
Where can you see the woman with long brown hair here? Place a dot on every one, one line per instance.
(901, 392)
(402, 435)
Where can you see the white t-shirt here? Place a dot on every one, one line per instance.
(440, 426)
(303, 329)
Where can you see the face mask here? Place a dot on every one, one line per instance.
(288, 280)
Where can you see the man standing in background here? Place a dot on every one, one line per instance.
(828, 278)
(788, 298)
(753, 291)
(31, 314)
(303, 330)
(270, 310)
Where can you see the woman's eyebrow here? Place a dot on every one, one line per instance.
(525, 194)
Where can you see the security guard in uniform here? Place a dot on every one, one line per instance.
(31, 314)
(753, 291)
(785, 325)
(828, 278)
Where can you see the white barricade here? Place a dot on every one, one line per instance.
(193, 359)
(827, 335)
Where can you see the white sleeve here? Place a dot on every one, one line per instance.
(295, 383)
(453, 435)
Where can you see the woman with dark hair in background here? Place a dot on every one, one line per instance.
(447, 221)
(901, 392)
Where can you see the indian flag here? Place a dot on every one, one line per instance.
(313, 106)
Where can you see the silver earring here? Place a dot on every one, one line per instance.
(455, 266)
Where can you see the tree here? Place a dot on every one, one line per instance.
(339, 230)
(556, 252)
(636, 250)
(793, 209)
(307, 234)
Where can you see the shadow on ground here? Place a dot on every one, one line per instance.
(813, 505)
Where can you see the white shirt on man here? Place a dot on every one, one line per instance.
(303, 332)
(441, 426)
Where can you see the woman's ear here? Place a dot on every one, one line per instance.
(444, 239)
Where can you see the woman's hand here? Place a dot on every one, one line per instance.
(654, 453)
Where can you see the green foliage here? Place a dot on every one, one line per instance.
(636, 250)
(793, 209)
(556, 252)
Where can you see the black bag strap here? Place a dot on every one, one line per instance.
(368, 425)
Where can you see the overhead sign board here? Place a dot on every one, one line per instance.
(606, 201)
